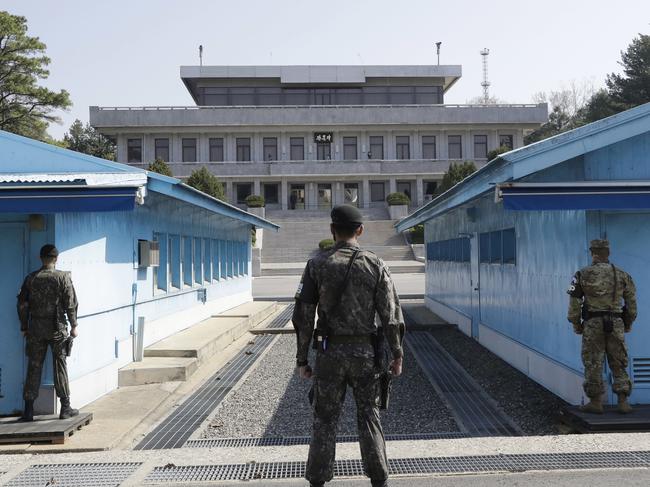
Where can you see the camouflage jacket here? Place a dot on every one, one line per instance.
(593, 286)
(370, 291)
(46, 297)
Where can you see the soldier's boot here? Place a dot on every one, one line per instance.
(66, 410)
(28, 412)
(594, 406)
(379, 483)
(623, 405)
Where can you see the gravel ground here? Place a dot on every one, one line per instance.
(529, 404)
(272, 401)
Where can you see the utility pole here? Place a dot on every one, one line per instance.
(438, 51)
(485, 84)
(201, 55)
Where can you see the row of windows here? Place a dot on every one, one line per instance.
(350, 144)
(367, 95)
(188, 261)
(453, 250)
(499, 247)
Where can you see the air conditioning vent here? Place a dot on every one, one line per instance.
(641, 370)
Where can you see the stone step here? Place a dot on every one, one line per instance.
(296, 269)
(177, 357)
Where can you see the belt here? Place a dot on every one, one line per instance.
(347, 339)
(600, 314)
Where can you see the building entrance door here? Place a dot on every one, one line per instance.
(323, 151)
(351, 194)
(12, 344)
(324, 196)
(297, 197)
(625, 232)
(404, 187)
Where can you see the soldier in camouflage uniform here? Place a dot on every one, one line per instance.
(46, 298)
(348, 358)
(596, 312)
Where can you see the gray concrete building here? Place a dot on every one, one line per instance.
(308, 137)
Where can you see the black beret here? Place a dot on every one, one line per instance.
(346, 215)
(49, 250)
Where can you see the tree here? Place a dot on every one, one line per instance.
(480, 100)
(25, 107)
(455, 174)
(633, 87)
(161, 167)
(205, 181)
(500, 150)
(84, 138)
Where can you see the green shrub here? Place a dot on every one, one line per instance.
(394, 199)
(255, 201)
(417, 234)
(205, 181)
(326, 243)
(161, 167)
(493, 153)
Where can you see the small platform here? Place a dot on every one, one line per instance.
(44, 429)
(609, 422)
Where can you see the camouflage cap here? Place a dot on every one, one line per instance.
(49, 250)
(599, 244)
(346, 215)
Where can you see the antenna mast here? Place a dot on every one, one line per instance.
(485, 84)
(201, 55)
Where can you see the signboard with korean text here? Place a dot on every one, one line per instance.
(323, 137)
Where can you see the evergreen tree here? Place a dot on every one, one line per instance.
(25, 107)
(161, 167)
(205, 181)
(87, 140)
(455, 174)
(632, 88)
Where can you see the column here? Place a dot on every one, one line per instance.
(177, 148)
(416, 153)
(419, 191)
(147, 149)
(337, 193)
(203, 153)
(121, 148)
(365, 193)
(311, 198)
(392, 185)
(518, 139)
(493, 140)
(468, 146)
(443, 146)
(284, 194)
(256, 186)
(390, 146)
(230, 196)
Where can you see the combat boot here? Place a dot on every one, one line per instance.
(28, 413)
(623, 406)
(594, 406)
(66, 410)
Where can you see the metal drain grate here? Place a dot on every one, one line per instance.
(409, 466)
(281, 320)
(75, 475)
(304, 440)
(474, 411)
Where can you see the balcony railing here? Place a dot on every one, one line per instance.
(212, 107)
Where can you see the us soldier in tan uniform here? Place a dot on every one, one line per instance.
(349, 285)
(597, 314)
(46, 298)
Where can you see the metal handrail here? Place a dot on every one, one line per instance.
(223, 107)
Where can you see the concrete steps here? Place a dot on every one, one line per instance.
(296, 268)
(177, 357)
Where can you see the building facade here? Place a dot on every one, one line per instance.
(500, 261)
(101, 215)
(308, 137)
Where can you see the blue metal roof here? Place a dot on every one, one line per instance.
(22, 155)
(522, 162)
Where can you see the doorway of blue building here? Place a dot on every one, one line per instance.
(629, 234)
(13, 244)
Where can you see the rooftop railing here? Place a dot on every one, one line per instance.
(260, 107)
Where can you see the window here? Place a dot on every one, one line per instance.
(187, 261)
(375, 95)
(428, 147)
(198, 260)
(349, 96)
(429, 187)
(269, 96)
(216, 149)
(242, 96)
(402, 149)
(161, 270)
(455, 143)
(404, 187)
(323, 151)
(495, 247)
(244, 190)
(161, 149)
(506, 141)
(175, 260)
(215, 96)
(243, 148)
(453, 250)
(271, 193)
(484, 248)
(350, 148)
(207, 261)
(322, 96)
(376, 149)
(270, 145)
(134, 150)
(296, 96)
(377, 192)
(509, 246)
(189, 150)
(401, 95)
(428, 95)
(297, 148)
(216, 261)
(480, 147)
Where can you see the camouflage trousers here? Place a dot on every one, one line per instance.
(36, 350)
(335, 370)
(596, 344)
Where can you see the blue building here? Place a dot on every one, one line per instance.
(113, 224)
(502, 246)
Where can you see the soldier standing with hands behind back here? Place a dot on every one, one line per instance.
(350, 286)
(596, 313)
(46, 298)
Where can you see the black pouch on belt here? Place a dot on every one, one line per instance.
(608, 323)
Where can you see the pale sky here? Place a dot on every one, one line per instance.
(128, 53)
